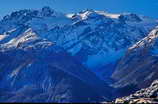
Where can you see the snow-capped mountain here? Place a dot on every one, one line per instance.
(97, 39)
(50, 55)
(139, 66)
(34, 69)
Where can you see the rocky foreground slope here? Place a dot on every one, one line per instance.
(147, 95)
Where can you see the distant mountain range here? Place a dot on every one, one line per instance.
(90, 56)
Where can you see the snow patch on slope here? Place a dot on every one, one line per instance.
(110, 15)
(2, 37)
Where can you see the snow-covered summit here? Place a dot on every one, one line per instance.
(90, 13)
(45, 16)
(44, 12)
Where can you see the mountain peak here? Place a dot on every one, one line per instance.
(47, 11)
(87, 10)
(28, 14)
(131, 17)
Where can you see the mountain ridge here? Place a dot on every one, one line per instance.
(56, 52)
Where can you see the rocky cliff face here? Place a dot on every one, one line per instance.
(139, 66)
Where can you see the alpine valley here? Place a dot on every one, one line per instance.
(90, 56)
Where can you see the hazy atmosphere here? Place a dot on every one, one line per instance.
(144, 7)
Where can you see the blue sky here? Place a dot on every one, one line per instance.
(145, 7)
